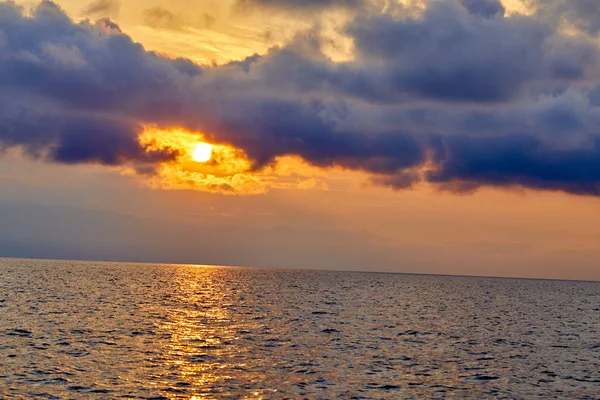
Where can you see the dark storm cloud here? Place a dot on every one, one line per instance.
(71, 138)
(452, 55)
(461, 97)
(281, 127)
(61, 83)
(520, 160)
(83, 70)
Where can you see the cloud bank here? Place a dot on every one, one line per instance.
(460, 96)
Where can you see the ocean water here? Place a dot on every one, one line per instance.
(107, 330)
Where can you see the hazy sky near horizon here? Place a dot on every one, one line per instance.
(442, 136)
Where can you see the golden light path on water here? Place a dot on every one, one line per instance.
(116, 330)
(207, 349)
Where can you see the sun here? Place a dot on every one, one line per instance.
(203, 152)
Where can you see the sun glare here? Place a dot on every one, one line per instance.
(219, 168)
(203, 152)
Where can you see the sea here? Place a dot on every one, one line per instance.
(92, 330)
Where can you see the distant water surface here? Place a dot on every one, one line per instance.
(109, 330)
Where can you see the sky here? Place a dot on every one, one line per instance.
(420, 136)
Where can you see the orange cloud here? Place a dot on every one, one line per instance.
(228, 171)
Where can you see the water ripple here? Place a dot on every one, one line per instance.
(106, 330)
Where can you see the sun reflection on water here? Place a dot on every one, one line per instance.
(204, 353)
(178, 332)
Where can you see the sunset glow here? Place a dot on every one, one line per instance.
(322, 125)
(220, 198)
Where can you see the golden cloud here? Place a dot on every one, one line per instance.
(227, 172)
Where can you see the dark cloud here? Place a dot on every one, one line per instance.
(399, 181)
(71, 138)
(484, 8)
(449, 55)
(266, 129)
(524, 160)
(61, 83)
(461, 97)
(445, 55)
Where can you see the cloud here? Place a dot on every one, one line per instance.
(160, 18)
(485, 8)
(102, 8)
(519, 160)
(581, 14)
(72, 138)
(460, 96)
(451, 55)
(58, 92)
(300, 5)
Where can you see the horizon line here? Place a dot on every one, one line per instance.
(304, 269)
